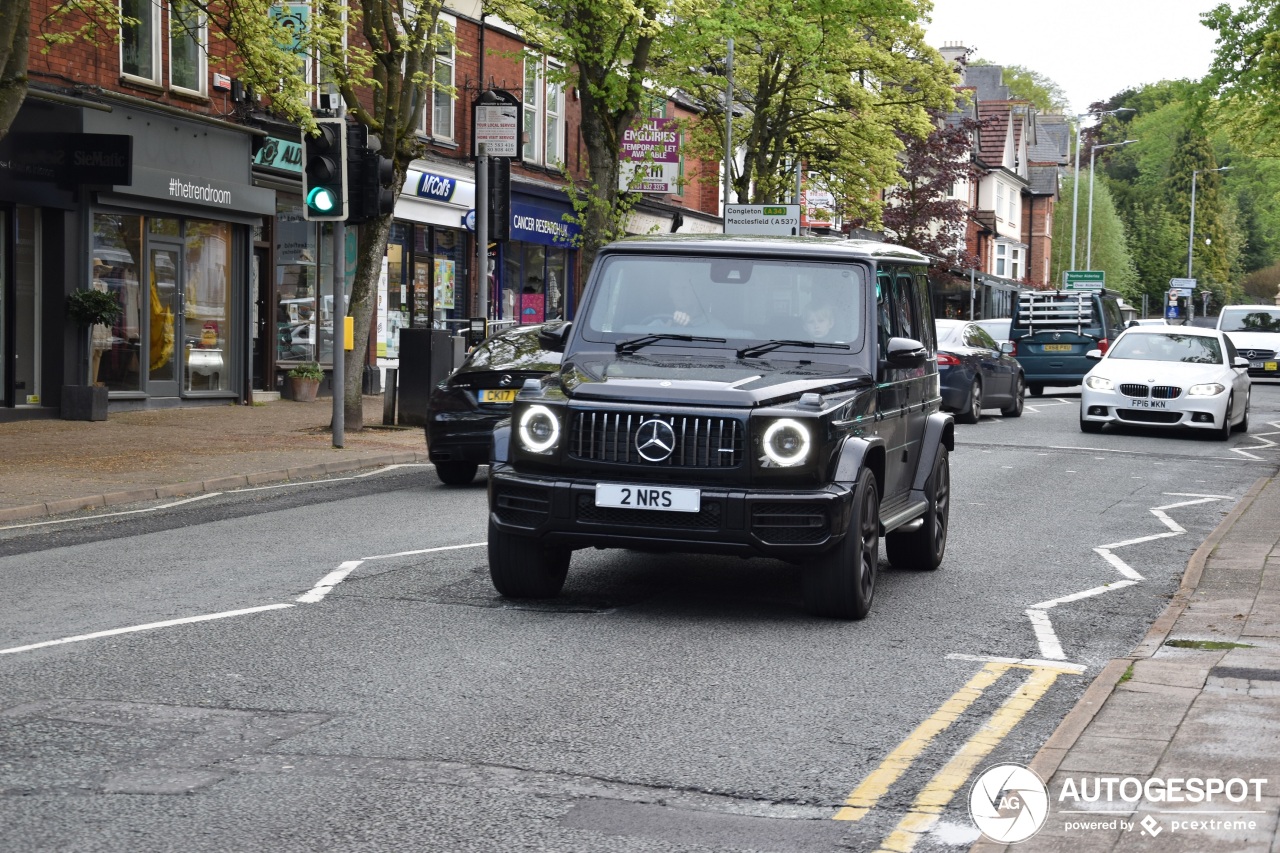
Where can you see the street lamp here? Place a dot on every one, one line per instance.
(1088, 243)
(1075, 187)
(1191, 239)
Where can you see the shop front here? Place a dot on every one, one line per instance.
(535, 269)
(162, 224)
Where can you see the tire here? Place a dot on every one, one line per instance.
(1090, 426)
(842, 583)
(521, 568)
(1243, 426)
(1019, 399)
(1223, 433)
(973, 409)
(456, 473)
(923, 549)
(1036, 389)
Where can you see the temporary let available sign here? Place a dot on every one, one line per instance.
(650, 161)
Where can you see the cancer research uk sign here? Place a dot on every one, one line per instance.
(653, 150)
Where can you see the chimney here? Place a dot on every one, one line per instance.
(957, 54)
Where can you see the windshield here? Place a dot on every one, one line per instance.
(1250, 320)
(1193, 349)
(725, 302)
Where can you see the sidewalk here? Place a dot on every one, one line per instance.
(1199, 698)
(49, 467)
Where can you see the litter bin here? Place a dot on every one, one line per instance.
(427, 357)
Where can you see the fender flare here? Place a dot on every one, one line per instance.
(939, 431)
(857, 452)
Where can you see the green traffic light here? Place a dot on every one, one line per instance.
(322, 200)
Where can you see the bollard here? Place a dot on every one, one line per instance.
(389, 398)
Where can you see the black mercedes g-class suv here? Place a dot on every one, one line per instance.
(771, 397)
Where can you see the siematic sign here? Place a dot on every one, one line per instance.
(69, 158)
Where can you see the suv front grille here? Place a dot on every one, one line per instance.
(700, 442)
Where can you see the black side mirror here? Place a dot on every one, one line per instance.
(906, 352)
(553, 338)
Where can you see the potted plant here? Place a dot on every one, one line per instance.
(94, 312)
(304, 381)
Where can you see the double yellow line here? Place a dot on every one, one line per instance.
(934, 798)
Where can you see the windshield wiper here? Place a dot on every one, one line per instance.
(639, 343)
(770, 346)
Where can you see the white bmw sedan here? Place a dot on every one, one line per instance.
(1168, 376)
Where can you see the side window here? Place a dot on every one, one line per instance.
(983, 339)
(928, 331)
(904, 309)
(884, 310)
(1231, 351)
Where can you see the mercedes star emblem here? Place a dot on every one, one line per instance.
(655, 440)
(505, 380)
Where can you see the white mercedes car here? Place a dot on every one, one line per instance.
(1168, 376)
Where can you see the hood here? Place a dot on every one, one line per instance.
(1161, 373)
(704, 381)
(1255, 340)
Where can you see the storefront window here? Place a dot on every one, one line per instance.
(297, 286)
(117, 265)
(448, 272)
(533, 283)
(393, 300)
(207, 308)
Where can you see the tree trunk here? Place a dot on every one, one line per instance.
(15, 28)
(371, 249)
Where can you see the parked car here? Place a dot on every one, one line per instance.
(997, 328)
(1052, 331)
(464, 408)
(975, 374)
(1255, 330)
(749, 396)
(1149, 321)
(1175, 376)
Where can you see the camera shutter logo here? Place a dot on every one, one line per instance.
(1008, 803)
(655, 440)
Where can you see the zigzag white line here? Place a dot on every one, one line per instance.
(1050, 646)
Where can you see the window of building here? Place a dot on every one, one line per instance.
(1000, 203)
(543, 114)
(1015, 263)
(140, 40)
(1001, 259)
(187, 38)
(443, 95)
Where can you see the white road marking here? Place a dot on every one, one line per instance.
(1048, 640)
(186, 620)
(338, 575)
(1091, 449)
(1050, 646)
(1027, 662)
(113, 514)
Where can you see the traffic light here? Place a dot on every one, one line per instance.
(372, 176)
(324, 172)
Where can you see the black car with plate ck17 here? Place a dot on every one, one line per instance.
(764, 397)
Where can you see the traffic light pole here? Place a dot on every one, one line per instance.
(339, 322)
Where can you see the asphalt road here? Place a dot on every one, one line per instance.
(326, 667)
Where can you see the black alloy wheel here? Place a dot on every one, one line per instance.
(1019, 399)
(842, 582)
(973, 411)
(924, 548)
(522, 568)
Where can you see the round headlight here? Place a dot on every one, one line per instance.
(786, 442)
(1208, 389)
(1098, 383)
(539, 429)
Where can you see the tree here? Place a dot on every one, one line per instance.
(827, 82)
(921, 213)
(607, 47)
(1110, 250)
(1211, 250)
(1242, 88)
(15, 31)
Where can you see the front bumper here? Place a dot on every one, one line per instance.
(1112, 407)
(461, 436)
(786, 525)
